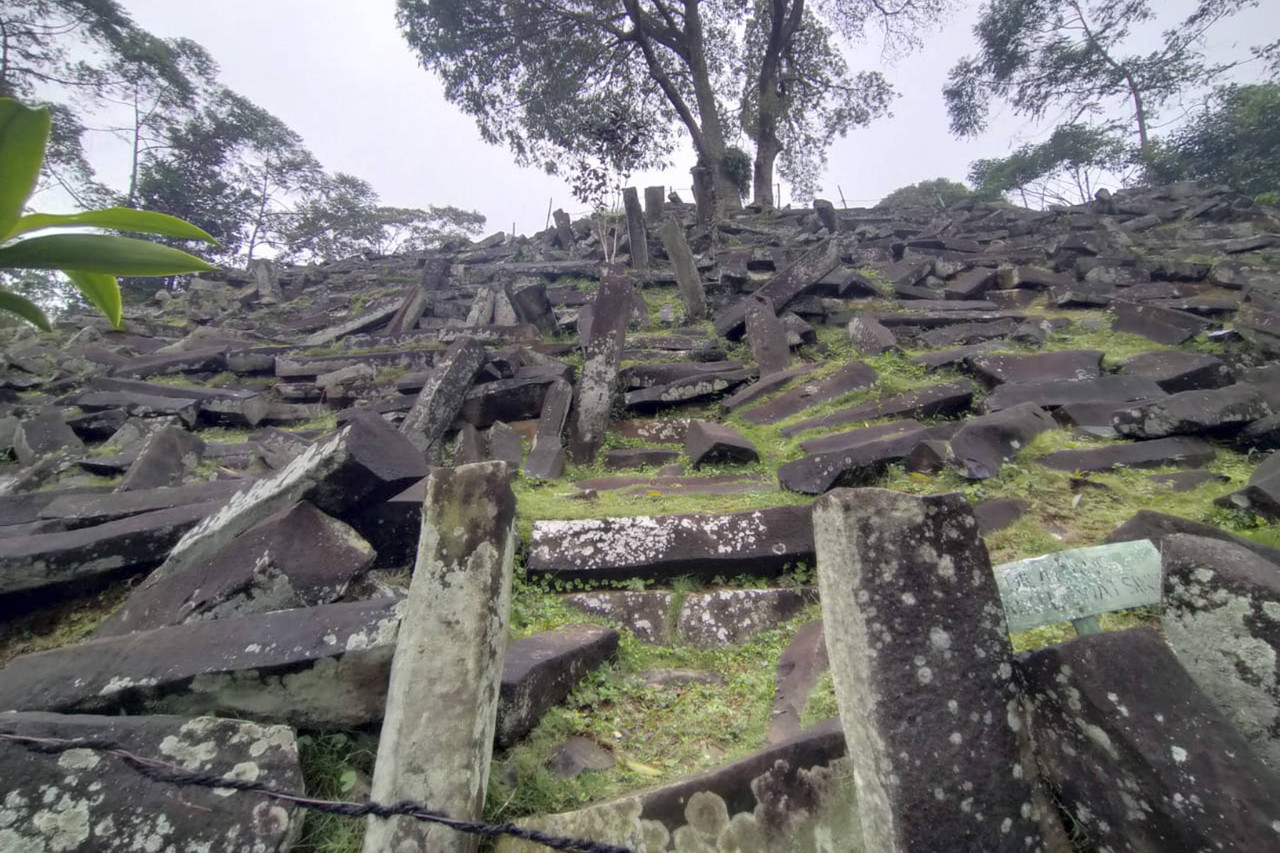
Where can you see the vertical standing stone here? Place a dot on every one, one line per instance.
(564, 230)
(597, 384)
(442, 703)
(264, 275)
(636, 231)
(654, 203)
(441, 397)
(826, 214)
(546, 454)
(532, 306)
(481, 312)
(923, 674)
(410, 312)
(687, 278)
(767, 336)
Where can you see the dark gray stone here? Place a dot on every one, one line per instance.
(46, 433)
(299, 557)
(218, 406)
(854, 438)
(923, 674)
(1063, 366)
(965, 334)
(88, 800)
(998, 513)
(759, 542)
(644, 614)
(1176, 370)
(167, 457)
(983, 444)
(505, 445)
(1051, 395)
(802, 663)
(1155, 526)
(807, 271)
(935, 401)
(766, 384)
(1162, 325)
(578, 755)
(767, 337)
(1137, 755)
(849, 377)
(854, 465)
(869, 337)
(1220, 412)
(546, 453)
(708, 443)
(1262, 434)
(1262, 494)
(688, 280)
(541, 670)
(1142, 454)
(971, 284)
(640, 457)
(733, 616)
(204, 360)
(593, 398)
(637, 234)
(442, 397)
(1187, 481)
(696, 386)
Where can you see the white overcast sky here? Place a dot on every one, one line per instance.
(340, 73)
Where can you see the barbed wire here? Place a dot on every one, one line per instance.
(161, 771)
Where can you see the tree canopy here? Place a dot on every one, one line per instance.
(939, 192)
(772, 69)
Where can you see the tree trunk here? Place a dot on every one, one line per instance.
(784, 21)
(711, 151)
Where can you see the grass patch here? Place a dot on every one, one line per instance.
(58, 624)
(336, 766)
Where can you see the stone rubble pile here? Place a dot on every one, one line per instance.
(265, 456)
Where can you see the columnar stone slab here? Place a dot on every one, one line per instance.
(854, 465)
(564, 229)
(129, 545)
(709, 443)
(1262, 494)
(316, 667)
(546, 454)
(935, 401)
(541, 670)
(167, 456)
(855, 437)
(442, 396)
(1157, 527)
(758, 542)
(1162, 325)
(636, 232)
(983, 444)
(688, 280)
(654, 203)
(1051, 395)
(362, 323)
(442, 702)
(88, 800)
(767, 337)
(296, 558)
(756, 390)
(1222, 619)
(1218, 411)
(732, 616)
(1138, 756)
(1067, 365)
(1176, 370)
(82, 509)
(849, 377)
(363, 463)
(801, 665)
(795, 795)
(869, 337)
(593, 397)
(923, 673)
(783, 287)
(1179, 450)
(695, 386)
(43, 434)
(645, 614)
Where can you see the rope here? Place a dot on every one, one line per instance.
(161, 771)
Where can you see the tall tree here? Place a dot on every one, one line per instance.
(1064, 169)
(939, 192)
(1234, 141)
(668, 63)
(1048, 55)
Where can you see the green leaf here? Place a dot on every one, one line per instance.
(102, 253)
(102, 291)
(118, 219)
(24, 308)
(23, 135)
(347, 780)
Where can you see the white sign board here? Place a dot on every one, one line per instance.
(1071, 585)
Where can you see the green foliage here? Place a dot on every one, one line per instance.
(1235, 141)
(333, 763)
(737, 165)
(1060, 170)
(939, 192)
(90, 261)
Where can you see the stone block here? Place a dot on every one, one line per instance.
(935, 401)
(1220, 412)
(1175, 370)
(733, 616)
(1179, 450)
(849, 377)
(1051, 395)
(709, 443)
(983, 444)
(1063, 366)
(542, 669)
(166, 458)
(44, 434)
(869, 337)
(441, 398)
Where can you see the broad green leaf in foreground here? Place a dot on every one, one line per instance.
(23, 134)
(24, 308)
(100, 253)
(118, 219)
(102, 291)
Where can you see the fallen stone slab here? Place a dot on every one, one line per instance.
(1262, 434)
(1219, 601)
(765, 385)
(983, 444)
(935, 401)
(519, 398)
(998, 513)
(442, 397)
(688, 280)
(1156, 526)
(115, 548)
(167, 457)
(745, 804)
(954, 357)
(663, 373)
(141, 405)
(806, 272)
(1162, 325)
(46, 433)
(709, 443)
(968, 334)
(733, 616)
(758, 542)
(86, 799)
(364, 463)
(25, 508)
(1136, 753)
(645, 614)
(546, 452)
(436, 743)
(1051, 395)
(1262, 494)
(849, 377)
(219, 406)
(653, 430)
(639, 457)
(685, 390)
(315, 667)
(869, 337)
(923, 674)
(802, 663)
(671, 483)
(1175, 370)
(542, 669)
(854, 438)
(938, 319)
(847, 466)
(767, 337)
(204, 360)
(1063, 366)
(1141, 454)
(970, 284)
(1217, 412)
(364, 322)
(1187, 481)
(299, 557)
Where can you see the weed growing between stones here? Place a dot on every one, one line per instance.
(54, 625)
(336, 766)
